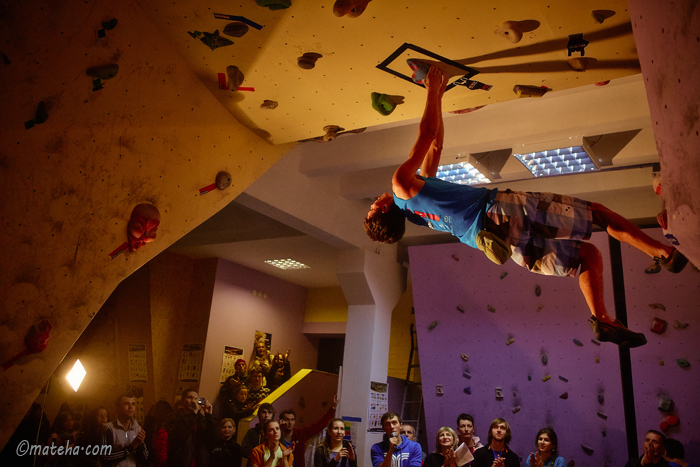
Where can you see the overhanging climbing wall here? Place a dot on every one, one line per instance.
(152, 134)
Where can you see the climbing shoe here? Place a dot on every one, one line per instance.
(616, 333)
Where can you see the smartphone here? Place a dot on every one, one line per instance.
(202, 401)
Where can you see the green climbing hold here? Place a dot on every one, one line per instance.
(432, 325)
(382, 103)
(683, 363)
(275, 4)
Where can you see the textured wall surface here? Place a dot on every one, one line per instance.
(441, 283)
(152, 134)
(667, 36)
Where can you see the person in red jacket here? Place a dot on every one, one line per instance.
(291, 434)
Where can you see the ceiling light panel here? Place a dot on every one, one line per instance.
(286, 264)
(560, 161)
(462, 173)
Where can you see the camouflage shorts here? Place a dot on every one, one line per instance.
(545, 230)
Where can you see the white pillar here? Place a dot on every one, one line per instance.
(372, 284)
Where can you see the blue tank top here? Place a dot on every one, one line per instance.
(449, 207)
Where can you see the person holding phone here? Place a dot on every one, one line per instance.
(335, 451)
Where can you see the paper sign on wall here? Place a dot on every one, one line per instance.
(138, 371)
(378, 405)
(191, 363)
(228, 363)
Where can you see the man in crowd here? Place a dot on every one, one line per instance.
(675, 453)
(186, 439)
(256, 435)
(654, 451)
(125, 436)
(409, 432)
(395, 450)
(298, 436)
(497, 453)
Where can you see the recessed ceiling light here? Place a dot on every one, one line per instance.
(560, 161)
(462, 173)
(286, 264)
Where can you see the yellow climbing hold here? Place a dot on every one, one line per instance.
(546, 378)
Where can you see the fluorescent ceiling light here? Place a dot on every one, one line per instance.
(462, 173)
(286, 264)
(76, 375)
(573, 159)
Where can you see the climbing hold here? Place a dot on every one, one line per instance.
(529, 377)
(420, 70)
(587, 449)
(661, 362)
(269, 105)
(331, 132)
(499, 393)
(214, 40)
(665, 404)
(223, 180)
(510, 341)
(104, 71)
(515, 393)
(515, 409)
(546, 378)
(385, 106)
(677, 324)
(466, 374)
(564, 396)
(659, 326)
(595, 342)
(235, 77)
(109, 25)
(578, 63)
(522, 90)
(274, 5)
(504, 274)
(657, 306)
(142, 226)
(601, 397)
(563, 379)
(538, 290)
(683, 363)
(602, 415)
(544, 358)
(460, 309)
(454, 257)
(509, 30)
(669, 421)
(42, 115)
(601, 15)
(578, 342)
(571, 463)
(468, 390)
(432, 325)
(466, 111)
(352, 8)
(597, 360)
(602, 83)
(465, 357)
(653, 269)
(490, 308)
(308, 60)
(438, 390)
(236, 29)
(539, 307)
(603, 433)
(576, 44)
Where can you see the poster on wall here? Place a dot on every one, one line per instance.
(228, 363)
(191, 363)
(266, 336)
(138, 372)
(351, 426)
(378, 405)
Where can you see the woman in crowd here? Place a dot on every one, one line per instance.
(334, 451)
(465, 431)
(270, 453)
(280, 371)
(91, 435)
(155, 420)
(445, 445)
(226, 451)
(261, 356)
(62, 434)
(546, 456)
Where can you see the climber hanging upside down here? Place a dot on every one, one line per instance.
(543, 232)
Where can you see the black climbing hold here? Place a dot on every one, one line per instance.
(109, 25)
(236, 29)
(601, 397)
(214, 41)
(41, 113)
(104, 71)
(538, 290)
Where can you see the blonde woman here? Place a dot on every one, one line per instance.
(445, 445)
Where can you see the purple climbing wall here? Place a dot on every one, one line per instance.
(680, 295)
(441, 283)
